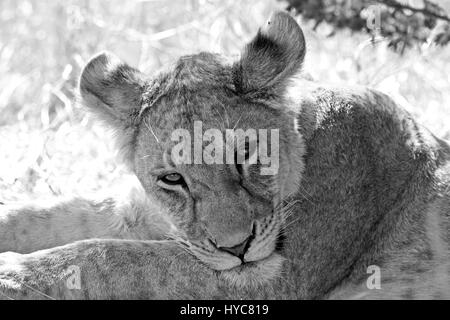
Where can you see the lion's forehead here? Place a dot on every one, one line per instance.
(192, 72)
(200, 88)
(203, 111)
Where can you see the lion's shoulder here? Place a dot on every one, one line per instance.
(355, 107)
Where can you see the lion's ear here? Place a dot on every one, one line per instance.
(272, 57)
(113, 91)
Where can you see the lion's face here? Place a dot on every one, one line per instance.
(228, 213)
(224, 194)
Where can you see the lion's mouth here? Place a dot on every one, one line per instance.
(279, 246)
(264, 242)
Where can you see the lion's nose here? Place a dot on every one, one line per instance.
(238, 250)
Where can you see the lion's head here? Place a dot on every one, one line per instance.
(230, 214)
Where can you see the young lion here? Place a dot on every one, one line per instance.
(361, 187)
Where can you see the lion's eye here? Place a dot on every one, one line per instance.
(172, 179)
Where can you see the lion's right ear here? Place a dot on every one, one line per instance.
(113, 91)
(274, 55)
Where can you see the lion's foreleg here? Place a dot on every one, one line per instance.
(107, 269)
(32, 227)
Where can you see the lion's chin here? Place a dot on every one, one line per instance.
(254, 274)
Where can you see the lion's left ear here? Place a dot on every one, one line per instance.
(272, 57)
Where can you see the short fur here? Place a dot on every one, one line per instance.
(360, 183)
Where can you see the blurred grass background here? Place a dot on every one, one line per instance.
(50, 147)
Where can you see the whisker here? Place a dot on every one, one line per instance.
(307, 196)
(149, 127)
(226, 115)
(235, 125)
(220, 116)
(284, 227)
